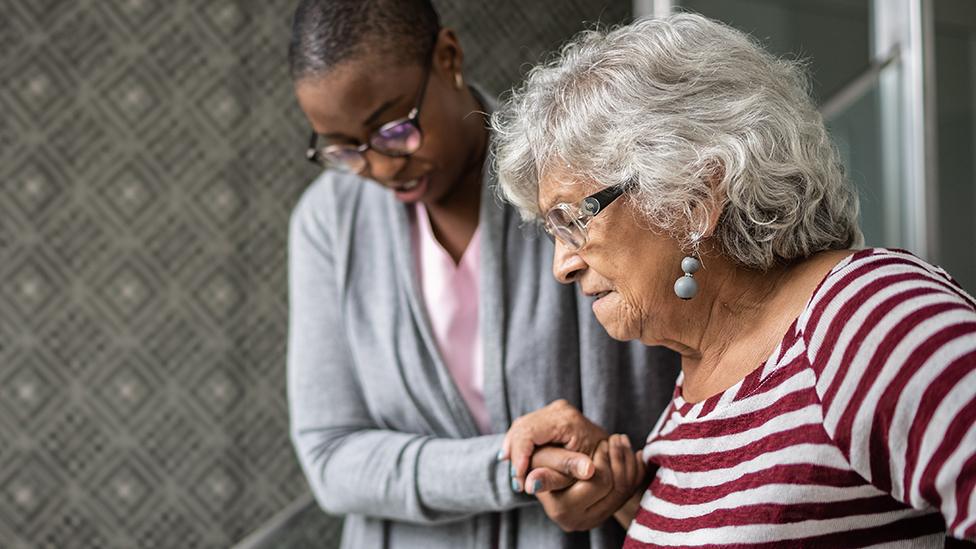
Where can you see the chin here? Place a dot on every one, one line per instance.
(616, 328)
(613, 315)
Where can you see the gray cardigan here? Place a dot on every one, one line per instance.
(380, 429)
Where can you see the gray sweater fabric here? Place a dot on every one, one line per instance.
(382, 432)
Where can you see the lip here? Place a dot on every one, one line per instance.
(415, 193)
(598, 302)
(599, 294)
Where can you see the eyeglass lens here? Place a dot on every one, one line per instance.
(565, 227)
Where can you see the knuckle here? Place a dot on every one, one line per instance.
(567, 465)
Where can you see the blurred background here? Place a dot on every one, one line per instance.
(150, 153)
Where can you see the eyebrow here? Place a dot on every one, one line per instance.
(370, 120)
(558, 199)
(382, 109)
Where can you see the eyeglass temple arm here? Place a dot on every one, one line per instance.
(594, 203)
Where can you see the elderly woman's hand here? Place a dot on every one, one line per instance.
(558, 423)
(619, 474)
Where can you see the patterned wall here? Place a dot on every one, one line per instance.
(150, 153)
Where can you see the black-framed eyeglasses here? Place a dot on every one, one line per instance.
(398, 138)
(567, 222)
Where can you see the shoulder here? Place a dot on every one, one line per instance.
(332, 203)
(878, 292)
(326, 193)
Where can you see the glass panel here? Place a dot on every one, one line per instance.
(856, 133)
(833, 34)
(955, 72)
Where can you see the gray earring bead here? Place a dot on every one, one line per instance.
(686, 287)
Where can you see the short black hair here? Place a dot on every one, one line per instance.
(325, 33)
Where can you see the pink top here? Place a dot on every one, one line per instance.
(450, 293)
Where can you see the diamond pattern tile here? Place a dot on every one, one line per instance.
(77, 442)
(29, 493)
(40, 85)
(150, 154)
(31, 392)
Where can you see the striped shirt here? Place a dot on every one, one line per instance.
(859, 430)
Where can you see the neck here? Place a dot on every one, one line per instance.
(742, 312)
(454, 218)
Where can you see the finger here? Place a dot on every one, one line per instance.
(569, 463)
(543, 480)
(612, 498)
(521, 451)
(641, 471)
(630, 463)
(619, 455)
(526, 438)
(584, 494)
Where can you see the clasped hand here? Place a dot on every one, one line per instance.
(579, 473)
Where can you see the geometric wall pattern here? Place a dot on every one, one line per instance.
(150, 154)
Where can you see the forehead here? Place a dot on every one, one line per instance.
(562, 185)
(346, 95)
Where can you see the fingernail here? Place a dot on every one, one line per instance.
(581, 468)
(511, 471)
(500, 455)
(536, 486)
(515, 485)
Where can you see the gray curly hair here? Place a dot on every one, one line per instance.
(679, 108)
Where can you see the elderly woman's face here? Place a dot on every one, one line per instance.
(626, 268)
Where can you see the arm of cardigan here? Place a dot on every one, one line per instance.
(406, 477)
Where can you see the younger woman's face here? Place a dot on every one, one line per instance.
(352, 100)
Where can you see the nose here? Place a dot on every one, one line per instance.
(567, 265)
(382, 168)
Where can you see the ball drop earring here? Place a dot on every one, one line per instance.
(686, 287)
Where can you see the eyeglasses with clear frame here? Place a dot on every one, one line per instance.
(397, 138)
(567, 222)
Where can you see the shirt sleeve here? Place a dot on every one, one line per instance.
(893, 343)
(352, 465)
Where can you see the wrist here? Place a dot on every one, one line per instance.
(628, 511)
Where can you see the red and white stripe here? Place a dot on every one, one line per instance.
(858, 431)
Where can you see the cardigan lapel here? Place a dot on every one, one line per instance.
(491, 310)
(406, 264)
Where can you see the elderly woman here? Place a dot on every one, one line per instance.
(827, 395)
